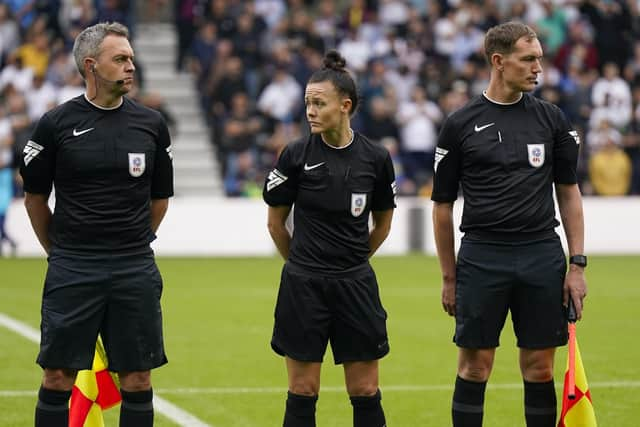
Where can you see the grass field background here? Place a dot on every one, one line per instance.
(218, 317)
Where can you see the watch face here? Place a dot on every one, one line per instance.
(580, 260)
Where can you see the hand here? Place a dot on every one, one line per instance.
(575, 286)
(449, 296)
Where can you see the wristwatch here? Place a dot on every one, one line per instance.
(580, 260)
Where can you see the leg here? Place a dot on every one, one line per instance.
(52, 409)
(137, 399)
(132, 334)
(484, 279)
(71, 312)
(540, 325)
(474, 368)
(361, 379)
(304, 385)
(539, 390)
(2, 231)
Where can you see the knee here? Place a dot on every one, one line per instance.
(475, 365)
(473, 373)
(58, 379)
(537, 366)
(538, 373)
(304, 387)
(364, 387)
(135, 381)
(475, 369)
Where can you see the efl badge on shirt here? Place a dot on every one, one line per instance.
(358, 203)
(136, 164)
(536, 154)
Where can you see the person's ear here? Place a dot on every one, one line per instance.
(346, 105)
(89, 65)
(497, 60)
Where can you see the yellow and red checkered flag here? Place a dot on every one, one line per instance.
(94, 391)
(577, 407)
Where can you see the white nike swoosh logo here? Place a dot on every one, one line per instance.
(308, 168)
(479, 128)
(80, 132)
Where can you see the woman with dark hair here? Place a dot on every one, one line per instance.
(336, 179)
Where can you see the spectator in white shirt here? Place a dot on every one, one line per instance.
(418, 119)
(280, 98)
(611, 98)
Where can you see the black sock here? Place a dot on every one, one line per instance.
(367, 411)
(301, 411)
(136, 409)
(468, 403)
(52, 409)
(540, 404)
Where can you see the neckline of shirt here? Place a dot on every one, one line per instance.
(344, 146)
(101, 107)
(484, 93)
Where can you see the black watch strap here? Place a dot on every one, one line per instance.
(580, 260)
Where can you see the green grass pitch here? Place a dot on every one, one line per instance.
(218, 317)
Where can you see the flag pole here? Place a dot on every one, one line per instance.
(571, 381)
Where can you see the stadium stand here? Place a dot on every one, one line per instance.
(212, 67)
(196, 169)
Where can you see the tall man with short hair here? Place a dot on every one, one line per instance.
(508, 150)
(109, 159)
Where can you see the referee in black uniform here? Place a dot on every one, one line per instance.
(110, 162)
(328, 291)
(507, 150)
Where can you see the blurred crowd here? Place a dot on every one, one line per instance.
(415, 61)
(37, 70)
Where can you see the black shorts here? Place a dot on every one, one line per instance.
(117, 296)
(313, 309)
(525, 278)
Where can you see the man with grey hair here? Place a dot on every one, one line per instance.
(109, 160)
(508, 151)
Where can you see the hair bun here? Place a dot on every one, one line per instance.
(334, 61)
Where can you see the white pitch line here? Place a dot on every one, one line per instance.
(164, 407)
(175, 414)
(338, 389)
(20, 328)
(401, 388)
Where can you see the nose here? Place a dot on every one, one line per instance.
(311, 112)
(537, 67)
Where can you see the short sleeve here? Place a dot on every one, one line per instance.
(384, 193)
(281, 184)
(37, 165)
(162, 184)
(447, 164)
(566, 143)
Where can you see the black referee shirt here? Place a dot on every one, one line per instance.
(506, 158)
(106, 165)
(334, 190)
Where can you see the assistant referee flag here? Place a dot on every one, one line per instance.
(94, 391)
(577, 412)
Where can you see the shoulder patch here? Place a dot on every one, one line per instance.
(275, 178)
(31, 150)
(440, 153)
(576, 137)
